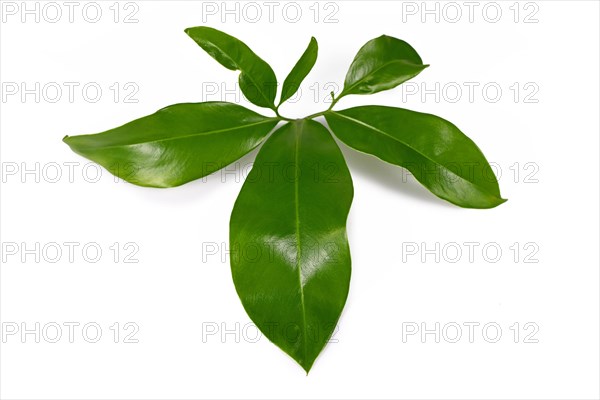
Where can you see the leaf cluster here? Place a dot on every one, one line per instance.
(290, 253)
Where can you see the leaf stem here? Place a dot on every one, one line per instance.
(315, 115)
(333, 103)
(279, 116)
(311, 116)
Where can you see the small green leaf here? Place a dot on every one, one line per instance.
(290, 254)
(381, 64)
(300, 70)
(177, 144)
(435, 151)
(257, 79)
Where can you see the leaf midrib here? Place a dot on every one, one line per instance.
(207, 133)
(357, 121)
(298, 243)
(361, 80)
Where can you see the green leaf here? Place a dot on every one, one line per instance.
(435, 151)
(381, 64)
(300, 70)
(177, 144)
(257, 80)
(290, 254)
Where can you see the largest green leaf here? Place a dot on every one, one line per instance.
(434, 150)
(257, 79)
(177, 144)
(290, 255)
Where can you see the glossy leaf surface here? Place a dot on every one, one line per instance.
(300, 71)
(257, 79)
(290, 255)
(435, 151)
(177, 144)
(382, 63)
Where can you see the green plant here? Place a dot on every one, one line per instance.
(291, 212)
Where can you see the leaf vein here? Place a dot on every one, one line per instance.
(207, 133)
(298, 243)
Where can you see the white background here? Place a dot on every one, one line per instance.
(178, 290)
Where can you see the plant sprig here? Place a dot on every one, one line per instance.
(290, 254)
